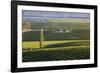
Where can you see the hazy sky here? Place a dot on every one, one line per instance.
(31, 15)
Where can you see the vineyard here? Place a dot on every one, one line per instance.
(56, 46)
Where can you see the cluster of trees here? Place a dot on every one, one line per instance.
(26, 26)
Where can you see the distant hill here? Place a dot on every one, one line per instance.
(57, 23)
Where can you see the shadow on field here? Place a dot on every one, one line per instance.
(61, 53)
(68, 44)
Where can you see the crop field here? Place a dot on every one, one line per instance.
(52, 36)
(59, 53)
(56, 46)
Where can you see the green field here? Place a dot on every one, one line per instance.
(54, 36)
(72, 45)
(56, 50)
(36, 44)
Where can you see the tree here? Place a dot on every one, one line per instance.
(41, 38)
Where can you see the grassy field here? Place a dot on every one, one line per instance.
(56, 50)
(51, 36)
(74, 45)
(63, 25)
(35, 44)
